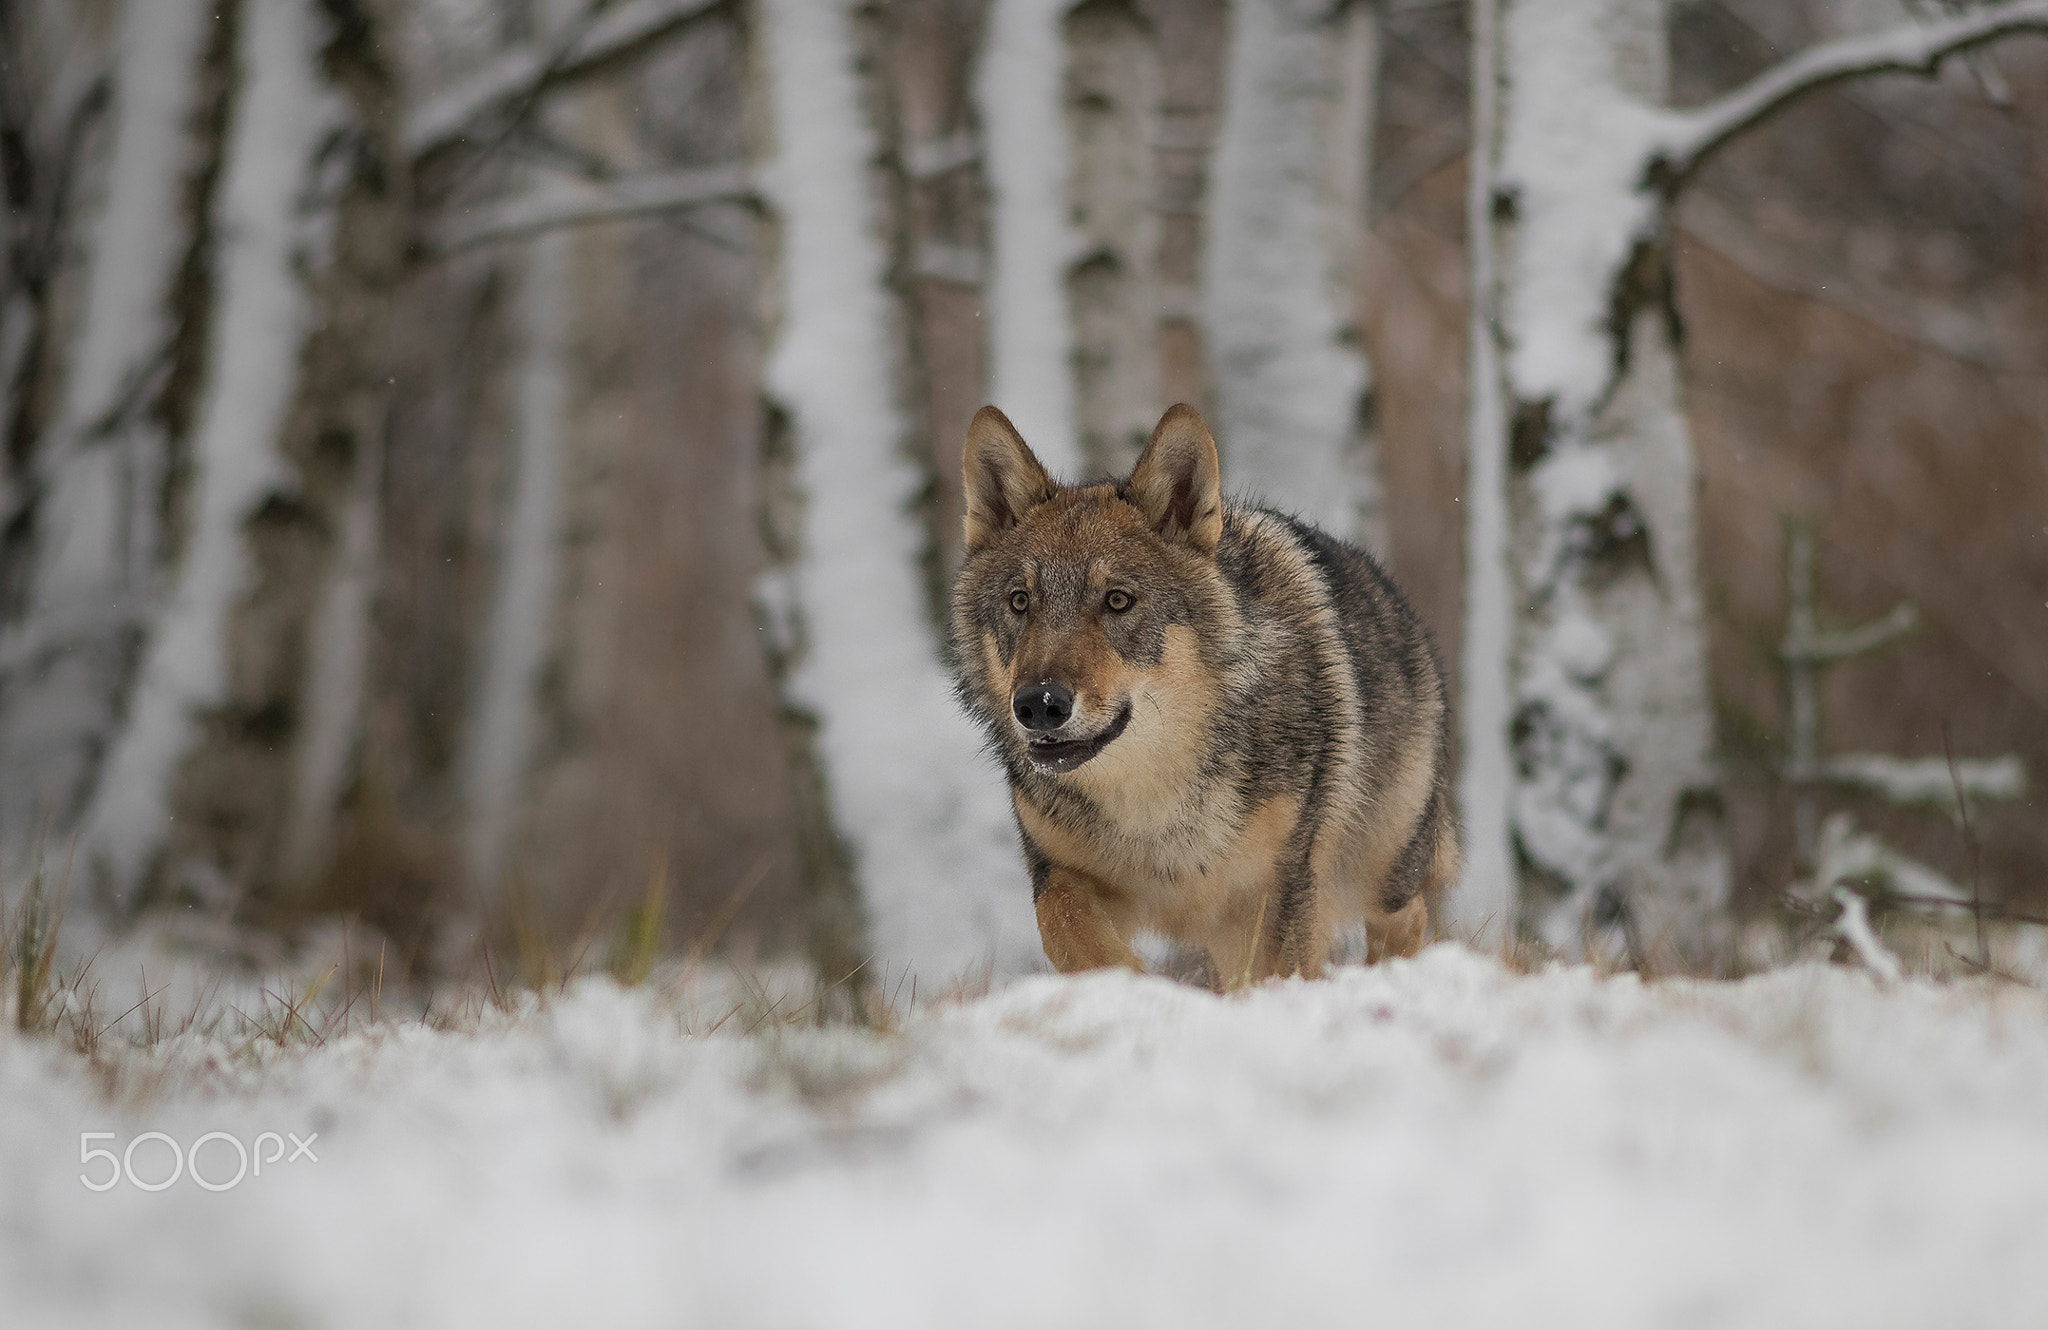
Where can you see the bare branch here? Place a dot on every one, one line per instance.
(935, 157)
(1912, 48)
(1825, 647)
(587, 46)
(573, 204)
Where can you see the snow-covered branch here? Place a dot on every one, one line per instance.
(574, 203)
(1911, 48)
(1854, 928)
(587, 45)
(1928, 781)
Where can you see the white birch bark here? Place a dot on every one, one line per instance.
(98, 474)
(1017, 92)
(1481, 908)
(1110, 103)
(266, 244)
(1614, 819)
(1614, 812)
(1286, 215)
(921, 813)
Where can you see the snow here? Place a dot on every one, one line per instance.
(1854, 926)
(1284, 217)
(1572, 154)
(923, 811)
(1017, 99)
(260, 317)
(502, 726)
(1437, 1142)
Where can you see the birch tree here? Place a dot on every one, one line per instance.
(191, 425)
(84, 511)
(1582, 508)
(1067, 96)
(1286, 214)
(305, 241)
(1109, 108)
(918, 823)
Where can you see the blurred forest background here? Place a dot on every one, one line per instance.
(405, 515)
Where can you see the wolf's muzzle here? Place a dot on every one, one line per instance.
(1053, 756)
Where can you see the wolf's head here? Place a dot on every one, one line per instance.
(1079, 613)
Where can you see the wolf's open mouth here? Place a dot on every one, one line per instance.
(1052, 758)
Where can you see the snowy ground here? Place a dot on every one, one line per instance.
(1433, 1143)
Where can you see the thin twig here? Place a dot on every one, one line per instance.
(1969, 839)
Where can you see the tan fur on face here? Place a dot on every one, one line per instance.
(1142, 780)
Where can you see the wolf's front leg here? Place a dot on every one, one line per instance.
(1075, 926)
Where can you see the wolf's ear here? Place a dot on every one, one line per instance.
(1176, 483)
(1003, 480)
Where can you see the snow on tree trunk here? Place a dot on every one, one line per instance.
(1286, 213)
(919, 814)
(1615, 816)
(1110, 103)
(90, 501)
(196, 789)
(1017, 89)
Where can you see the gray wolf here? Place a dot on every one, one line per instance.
(1220, 725)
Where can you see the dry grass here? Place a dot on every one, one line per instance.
(516, 970)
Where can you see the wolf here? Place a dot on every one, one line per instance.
(1220, 725)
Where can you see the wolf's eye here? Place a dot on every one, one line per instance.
(1020, 601)
(1118, 601)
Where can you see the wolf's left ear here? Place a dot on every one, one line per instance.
(1003, 479)
(1176, 483)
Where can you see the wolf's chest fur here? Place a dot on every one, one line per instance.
(1218, 724)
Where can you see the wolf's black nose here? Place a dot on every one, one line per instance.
(1042, 706)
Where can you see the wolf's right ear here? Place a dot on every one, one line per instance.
(1002, 478)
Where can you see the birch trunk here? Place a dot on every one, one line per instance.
(1017, 89)
(196, 792)
(1481, 908)
(83, 511)
(1615, 817)
(1072, 289)
(1286, 213)
(1109, 106)
(911, 812)
(518, 635)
